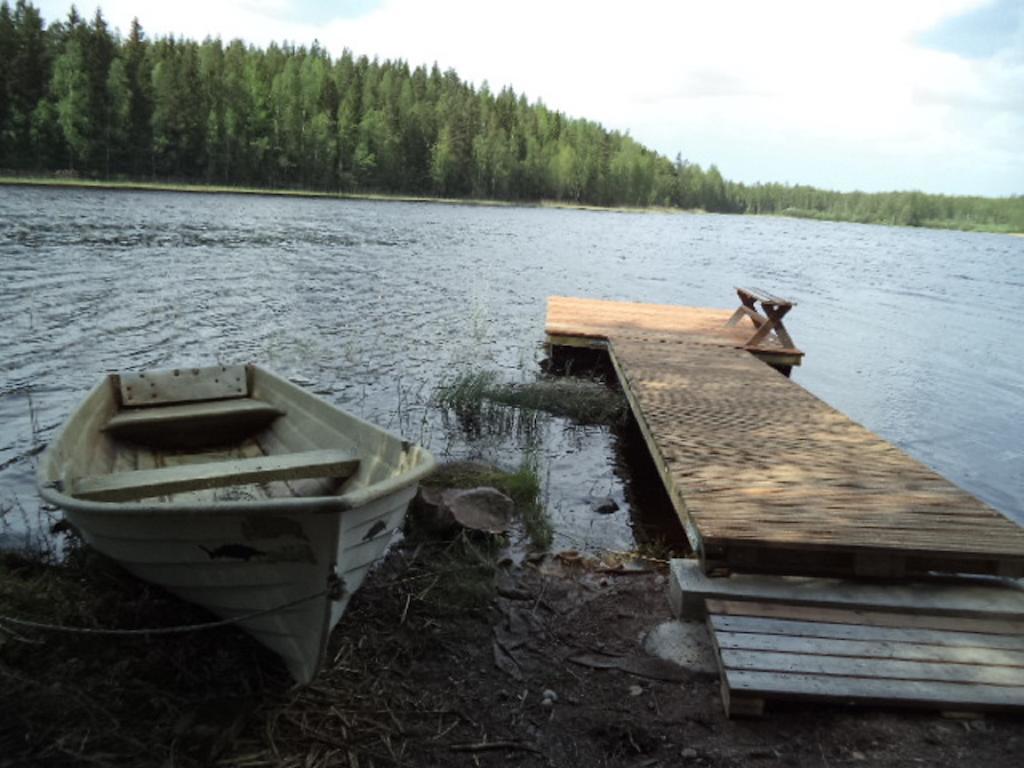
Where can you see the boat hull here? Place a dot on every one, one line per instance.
(294, 559)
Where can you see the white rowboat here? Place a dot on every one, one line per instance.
(236, 490)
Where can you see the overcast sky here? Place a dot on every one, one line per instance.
(871, 94)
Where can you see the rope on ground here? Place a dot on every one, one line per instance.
(180, 629)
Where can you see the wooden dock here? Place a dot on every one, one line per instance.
(765, 476)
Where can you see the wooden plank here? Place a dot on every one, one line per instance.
(964, 598)
(864, 618)
(238, 410)
(878, 649)
(793, 628)
(145, 483)
(849, 690)
(874, 667)
(247, 449)
(755, 317)
(179, 385)
(757, 294)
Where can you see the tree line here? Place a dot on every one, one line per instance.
(78, 98)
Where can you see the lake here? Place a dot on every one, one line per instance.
(373, 305)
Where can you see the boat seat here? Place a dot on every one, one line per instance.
(146, 483)
(237, 414)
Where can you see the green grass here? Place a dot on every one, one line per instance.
(524, 485)
(584, 401)
(484, 406)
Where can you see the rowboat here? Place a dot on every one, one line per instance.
(237, 490)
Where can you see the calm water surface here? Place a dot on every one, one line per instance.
(914, 333)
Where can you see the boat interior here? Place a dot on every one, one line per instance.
(221, 433)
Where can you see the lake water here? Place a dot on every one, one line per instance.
(914, 333)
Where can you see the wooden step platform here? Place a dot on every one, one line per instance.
(787, 652)
(954, 644)
(768, 478)
(999, 599)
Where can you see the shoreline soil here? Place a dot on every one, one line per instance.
(449, 655)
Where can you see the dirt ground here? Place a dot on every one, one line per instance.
(448, 656)
(471, 689)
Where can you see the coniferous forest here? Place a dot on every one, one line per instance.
(80, 100)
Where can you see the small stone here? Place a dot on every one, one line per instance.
(688, 754)
(547, 703)
(855, 755)
(431, 513)
(549, 694)
(606, 506)
(636, 690)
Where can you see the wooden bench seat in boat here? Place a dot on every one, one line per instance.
(241, 412)
(146, 483)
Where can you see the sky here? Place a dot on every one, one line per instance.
(840, 94)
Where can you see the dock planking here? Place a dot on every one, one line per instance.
(765, 476)
(591, 322)
(779, 651)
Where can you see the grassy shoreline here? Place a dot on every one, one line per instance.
(223, 189)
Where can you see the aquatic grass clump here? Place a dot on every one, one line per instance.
(585, 401)
(525, 490)
(582, 400)
(468, 397)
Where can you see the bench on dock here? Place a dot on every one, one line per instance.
(769, 319)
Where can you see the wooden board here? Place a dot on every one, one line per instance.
(238, 410)
(145, 483)
(834, 655)
(690, 589)
(183, 385)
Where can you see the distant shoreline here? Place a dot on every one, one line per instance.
(222, 189)
(215, 189)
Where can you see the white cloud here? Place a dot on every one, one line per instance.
(801, 79)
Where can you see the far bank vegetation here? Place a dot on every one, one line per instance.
(79, 100)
